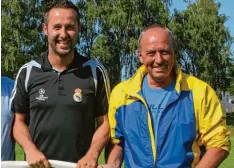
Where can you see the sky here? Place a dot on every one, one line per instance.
(227, 8)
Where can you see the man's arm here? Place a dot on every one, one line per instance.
(212, 158)
(21, 134)
(214, 134)
(115, 157)
(100, 139)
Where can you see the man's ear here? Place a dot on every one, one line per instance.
(45, 28)
(139, 56)
(80, 27)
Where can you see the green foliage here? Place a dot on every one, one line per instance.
(204, 42)
(20, 38)
(111, 30)
(231, 78)
(228, 162)
(231, 88)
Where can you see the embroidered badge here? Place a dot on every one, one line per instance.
(41, 95)
(77, 95)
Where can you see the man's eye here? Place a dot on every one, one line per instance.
(57, 27)
(151, 54)
(165, 52)
(70, 27)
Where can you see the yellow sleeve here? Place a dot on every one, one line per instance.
(212, 122)
(111, 116)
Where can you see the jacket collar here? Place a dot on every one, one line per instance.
(135, 82)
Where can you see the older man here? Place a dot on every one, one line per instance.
(162, 117)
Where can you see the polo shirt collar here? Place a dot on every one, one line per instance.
(76, 62)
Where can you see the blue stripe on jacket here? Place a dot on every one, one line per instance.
(176, 133)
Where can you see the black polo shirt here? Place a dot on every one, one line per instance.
(61, 124)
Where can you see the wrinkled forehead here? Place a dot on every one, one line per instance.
(156, 35)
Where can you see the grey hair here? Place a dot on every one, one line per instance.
(171, 36)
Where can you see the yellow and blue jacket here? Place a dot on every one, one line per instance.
(192, 119)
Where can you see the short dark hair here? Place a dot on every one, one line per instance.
(60, 4)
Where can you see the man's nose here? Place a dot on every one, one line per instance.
(63, 33)
(158, 58)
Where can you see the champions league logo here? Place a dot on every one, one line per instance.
(77, 95)
(41, 95)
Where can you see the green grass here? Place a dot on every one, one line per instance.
(228, 163)
(19, 153)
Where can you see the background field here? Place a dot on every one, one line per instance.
(228, 163)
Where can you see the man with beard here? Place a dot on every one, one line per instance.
(162, 117)
(62, 93)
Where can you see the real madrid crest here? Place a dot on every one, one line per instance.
(77, 95)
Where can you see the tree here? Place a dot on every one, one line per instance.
(231, 78)
(21, 40)
(111, 30)
(204, 42)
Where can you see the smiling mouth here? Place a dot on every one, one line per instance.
(162, 67)
(65, 42)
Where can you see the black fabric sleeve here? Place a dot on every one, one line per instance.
(103, 92)
(20, 98)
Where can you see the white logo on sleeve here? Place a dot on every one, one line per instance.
(41, 95)
(42, 91)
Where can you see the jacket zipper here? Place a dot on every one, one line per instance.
(150, 126)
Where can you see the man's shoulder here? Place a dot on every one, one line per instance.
(5, 79)
(28, 66)
(89, 61)
(31, 62)
(199, 88)
(193, 82)
(121, 87)
(6, 83)
(94, 64)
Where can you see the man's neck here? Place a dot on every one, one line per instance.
(58, 62)
(156, 84)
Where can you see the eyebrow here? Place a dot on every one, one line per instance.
(150, 50)
(59, 24)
